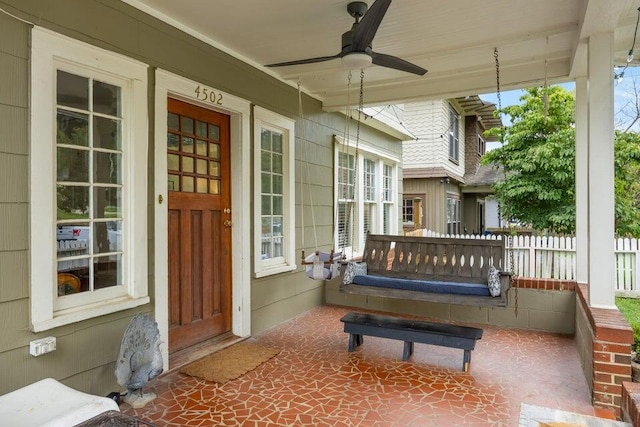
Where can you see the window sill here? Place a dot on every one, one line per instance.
(454, 161)
(66, 317)
(275, 270)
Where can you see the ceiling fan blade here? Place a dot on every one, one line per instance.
(397, 63)
(306, 61)
(368, 25)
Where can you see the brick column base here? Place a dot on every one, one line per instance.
(612, 340)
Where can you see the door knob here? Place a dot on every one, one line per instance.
(227, 223)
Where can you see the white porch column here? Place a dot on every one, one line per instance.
(582, 180)
(601, 197)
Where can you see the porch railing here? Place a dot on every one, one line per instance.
(555, 258)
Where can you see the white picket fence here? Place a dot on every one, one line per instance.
(555, 258)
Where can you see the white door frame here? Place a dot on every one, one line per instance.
(169, 84)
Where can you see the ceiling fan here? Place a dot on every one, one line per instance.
(356, 50)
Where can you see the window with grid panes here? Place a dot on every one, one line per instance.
(193, 155)
(89, 134)
(387, 198)
(365, 196)
(369, 221)
(453, 215)
(454, 135)
(346, 201)
(274, 204)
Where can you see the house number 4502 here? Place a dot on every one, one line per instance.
(206, 94)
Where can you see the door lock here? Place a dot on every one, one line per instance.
(227, 210)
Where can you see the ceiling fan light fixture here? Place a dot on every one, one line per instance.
(356, 61)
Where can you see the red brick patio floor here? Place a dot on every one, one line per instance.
(314, 381)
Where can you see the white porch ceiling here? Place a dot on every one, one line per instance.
(454, 40)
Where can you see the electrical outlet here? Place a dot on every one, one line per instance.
(42, 346)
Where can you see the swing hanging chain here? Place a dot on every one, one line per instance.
(357, 160)
(301, 184)
(308, 176)
(513, 278)
(344, 153)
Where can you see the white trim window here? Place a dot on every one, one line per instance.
(453, 214)
(454, 135)
(274, 203)
(88, 181)
(388, 194)
(346, 199)
(372, 174)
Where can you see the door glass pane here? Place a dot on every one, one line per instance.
(187, 184)
(201, 166)
(201, 185)
(173, 121)
(187, 164)
(214, 168)
(214, 186)
(72, 128)
(72, 202)
(187, 145)
(72, 90)
(173, 162)
(214, 151)
(173, 142)
(106, 99)
(72, 165)
(106, 133)
(201, 147)
(187, 125)
(201, 129)
(214, 132)
(173, 183)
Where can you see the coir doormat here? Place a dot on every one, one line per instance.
(230, 363)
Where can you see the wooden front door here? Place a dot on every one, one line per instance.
(198, 163)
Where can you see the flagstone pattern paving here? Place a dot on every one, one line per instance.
(314, 381)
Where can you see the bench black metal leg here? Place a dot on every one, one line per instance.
(466, 361)
(408, 350)
(354, 341)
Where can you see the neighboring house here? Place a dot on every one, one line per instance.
(147, 171)
(445, 188)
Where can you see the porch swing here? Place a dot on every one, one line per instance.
(445, 270)
(319, 265)
(322, 265)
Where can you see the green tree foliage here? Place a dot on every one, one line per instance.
(627, 184)
(538, 158)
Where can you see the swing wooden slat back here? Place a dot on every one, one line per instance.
(432, 258)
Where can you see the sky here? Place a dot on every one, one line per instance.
(623, 98)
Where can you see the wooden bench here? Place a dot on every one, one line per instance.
(411, 331)
(431, 269)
